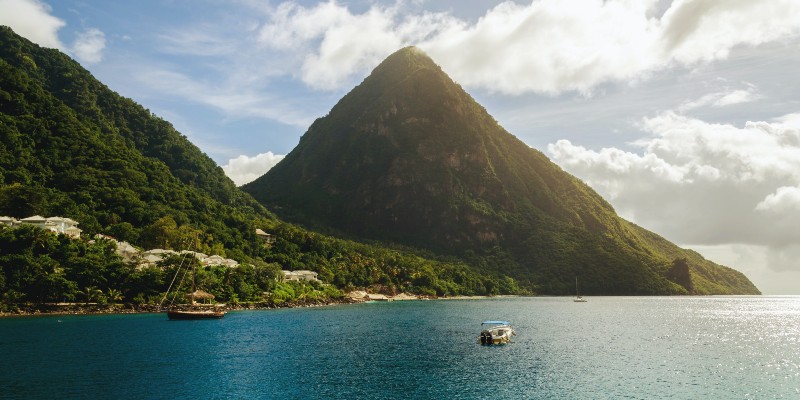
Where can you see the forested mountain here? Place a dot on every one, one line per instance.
(70, 146)
(409, 157)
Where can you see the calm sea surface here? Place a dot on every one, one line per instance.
(608, 348)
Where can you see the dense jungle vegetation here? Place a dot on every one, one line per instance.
(71, 147)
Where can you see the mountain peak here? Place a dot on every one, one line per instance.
(409, 157)
(402, 64)
(410, 58)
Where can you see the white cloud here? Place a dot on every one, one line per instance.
(702, 183)
(244, 169)
(756, 152)
(32, 20)
(550, 46)
(293, 25)
(786, 199)
(547, 46)
(340, 44)
(706, 30)
(89, 45)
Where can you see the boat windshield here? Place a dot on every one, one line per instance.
(495, 323)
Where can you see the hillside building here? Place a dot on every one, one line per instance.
(61, 225)
(300, 275)
(268, 238)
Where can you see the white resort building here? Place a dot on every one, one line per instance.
(128, 253)
(154, 256)
(62, 225)
(300, 275)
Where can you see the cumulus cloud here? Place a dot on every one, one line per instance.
(32, 19)
(547, 46)
(550, 46)
(339, 43)
(786, 199)
(244, 169)
(706, 30)
(89, 45)
(702, 183)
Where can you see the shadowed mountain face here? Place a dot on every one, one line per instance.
(409, 157)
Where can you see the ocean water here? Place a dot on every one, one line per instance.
(608, 348)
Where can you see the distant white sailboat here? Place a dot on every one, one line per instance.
(578, 298)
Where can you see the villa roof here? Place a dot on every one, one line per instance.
(304, 271)
(197, 254)
(200, 294)
(160, 251)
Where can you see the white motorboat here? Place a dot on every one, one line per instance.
(496, 332)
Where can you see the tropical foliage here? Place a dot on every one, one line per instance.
(70, 146)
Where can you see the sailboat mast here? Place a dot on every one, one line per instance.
(194, 287)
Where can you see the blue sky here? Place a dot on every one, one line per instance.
(684, 114)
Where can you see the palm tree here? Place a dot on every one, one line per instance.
(90, 293)
(113, 295)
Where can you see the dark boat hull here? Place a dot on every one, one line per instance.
(182, 315)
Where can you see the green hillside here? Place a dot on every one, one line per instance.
(70, 146)
(409, 157)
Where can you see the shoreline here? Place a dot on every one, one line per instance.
(46, 309)
(121, 309)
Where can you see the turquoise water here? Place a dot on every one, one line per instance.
(608, 348)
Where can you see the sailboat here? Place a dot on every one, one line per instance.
(193, 312)
(196, 314)
(578, 298)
